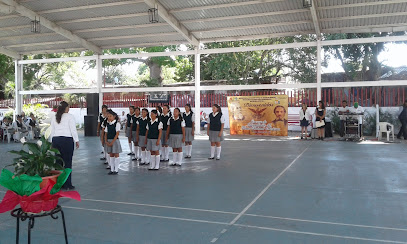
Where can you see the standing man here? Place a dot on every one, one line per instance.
(403, 120)
(342, 111)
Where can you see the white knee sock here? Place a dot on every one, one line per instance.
(138, 152)
(218, 149)
(157, 162)
(116, 164)
(167, 153)
(213, 151)
(131, 147)
(180, 158)
(104, 153)
(174, 157)
(162, 153)
(189, 150)
(152, 161)
(143, 156)
(109, 160)
(148, 156)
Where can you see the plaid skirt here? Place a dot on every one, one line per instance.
(128, 132)
(188, 134)
(116, 148)
(214, 136)
(152, 145)
(134, 138)
(142, 141)
(163, 135)
(175, 141)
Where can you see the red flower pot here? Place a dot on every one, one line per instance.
(53, 177)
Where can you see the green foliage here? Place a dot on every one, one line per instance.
(77, 98)
(9, 113)
(37, 110)
(369, 126)
(6, 73)
(184, 71)
(40, 160)
(333, 114)
(150, 82)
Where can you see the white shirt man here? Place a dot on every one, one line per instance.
(358, 110)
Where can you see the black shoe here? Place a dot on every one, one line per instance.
(111, 173)
(64, 188)
(399, 137)
(156, 169)
(173, 164)
(166, 160)
(70, 187)
(150, 169)
(322, 138)
(131, 154)
(187, 156)
(302, 137)
(103, 158)
(162, 160)
(115, 173)
(217, 158)
(134, 159)
(211, 158)
(139, 159)
(105, 163)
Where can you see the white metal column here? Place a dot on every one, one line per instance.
(319, 89)
(99, 79)
(197, 91)
(18, 87)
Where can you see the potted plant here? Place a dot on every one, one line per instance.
(37, 179)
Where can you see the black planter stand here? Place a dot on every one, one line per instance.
(20, 215)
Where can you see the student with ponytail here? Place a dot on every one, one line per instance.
(176, 136)
(64, 136)
(141, 135)
(165, 116)
(153, 139)
(136, 117)
(215, 130)
(128, 128)
(112, 141)
(189, 119)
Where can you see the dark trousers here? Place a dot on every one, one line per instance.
(342, 128)
(65, 145)
(403, 129)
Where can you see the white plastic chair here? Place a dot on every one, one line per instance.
(7, 134)
(383, 129)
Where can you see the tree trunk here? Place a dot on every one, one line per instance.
(155, 72)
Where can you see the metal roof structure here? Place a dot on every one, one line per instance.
(77, 25)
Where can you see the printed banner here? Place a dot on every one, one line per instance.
(258, 115)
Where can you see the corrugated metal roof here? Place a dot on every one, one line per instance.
(119, 23)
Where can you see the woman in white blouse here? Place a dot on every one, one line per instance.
(64, 135)
(305, 117)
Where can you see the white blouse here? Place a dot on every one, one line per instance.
(66, 128)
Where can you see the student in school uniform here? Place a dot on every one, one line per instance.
(216, 124)
(165, 116)
(101, 118)
(112, 141)
(128, 129)
(134, 118)
(176, 136)
(159, 110)
(103, 128)
(189, 119)
(153, 139)
(141, 135)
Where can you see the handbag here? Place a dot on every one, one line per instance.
(320, 123)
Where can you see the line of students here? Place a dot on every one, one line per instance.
(151, 136)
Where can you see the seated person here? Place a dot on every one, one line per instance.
(32, 124)
(204, 119)
(342, 111)
(20, 129)
(7, 127)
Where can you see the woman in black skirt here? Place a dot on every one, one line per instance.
(320, 113)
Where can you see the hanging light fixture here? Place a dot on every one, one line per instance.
(153, 14)
(307, 3)
(35, 25)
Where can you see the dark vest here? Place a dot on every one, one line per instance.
(153, 130)
(215, 122)
(164, 120)
(175, 126)
(111, 130)
(143, 126)
(101, 119)
(129, 117)
(134, 120)
(188, 119)
(32, 122)
(20, 125)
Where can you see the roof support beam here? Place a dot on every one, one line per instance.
(52, 26)
(363, 4)
(171, 20)
(224, 5)
(315, 19)
(6, 9)
(10, 53)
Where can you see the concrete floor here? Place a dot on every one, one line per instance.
(263, 190)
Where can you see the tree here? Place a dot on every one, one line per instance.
(6, 74)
